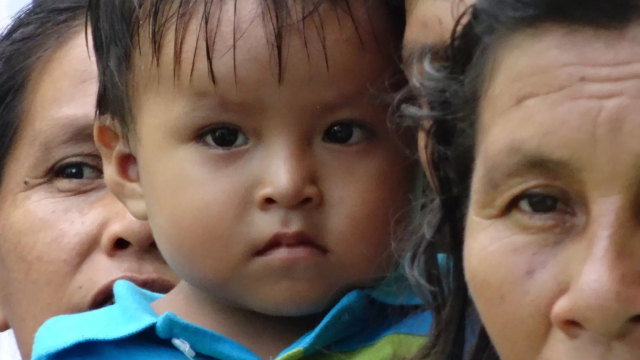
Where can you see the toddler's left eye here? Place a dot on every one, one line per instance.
(225, 138)
(346, 134)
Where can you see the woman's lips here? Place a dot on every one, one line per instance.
(104, 295)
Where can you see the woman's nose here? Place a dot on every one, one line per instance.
(604, 295)
(125, 234)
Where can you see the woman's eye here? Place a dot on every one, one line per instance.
(346, 134)
(77, 171)
(225, 137)
(539, 204)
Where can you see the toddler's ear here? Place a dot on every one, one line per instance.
(120, 167)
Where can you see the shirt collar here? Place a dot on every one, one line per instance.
(132, 313)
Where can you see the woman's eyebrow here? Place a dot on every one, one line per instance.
(71, 131)
(518, 162)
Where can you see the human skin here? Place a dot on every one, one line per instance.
(213, 209)
(65, 237)
(552, 244)
(430, 24)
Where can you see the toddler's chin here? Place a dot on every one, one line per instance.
(294, 307)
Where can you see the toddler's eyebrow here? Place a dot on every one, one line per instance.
(340, 101)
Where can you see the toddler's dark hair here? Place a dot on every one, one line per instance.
(118, 25)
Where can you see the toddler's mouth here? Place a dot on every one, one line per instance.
(297, 240)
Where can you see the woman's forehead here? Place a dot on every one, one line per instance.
(58, 108)
(516, 74)
(574, 106)
(62, 89)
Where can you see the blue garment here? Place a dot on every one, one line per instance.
(130, 329)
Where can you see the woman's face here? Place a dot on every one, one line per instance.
(64, 238)
(552, 248)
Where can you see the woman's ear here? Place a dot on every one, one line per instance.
(424, 151)
(120, 167)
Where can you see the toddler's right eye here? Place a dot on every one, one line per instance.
(225, 137)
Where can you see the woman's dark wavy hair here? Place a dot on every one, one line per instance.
(450, 82)
(34, 33)
(119, 25)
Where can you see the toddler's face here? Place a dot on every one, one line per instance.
(276, 197)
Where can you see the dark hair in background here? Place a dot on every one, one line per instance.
(452, 89)
(35, 32)
(118, 25)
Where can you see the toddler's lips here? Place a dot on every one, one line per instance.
(297, 242)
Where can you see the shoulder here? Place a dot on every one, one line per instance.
(389, 348)
(392, 334)
(138, 347)
(128, 318)
(65, 332)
